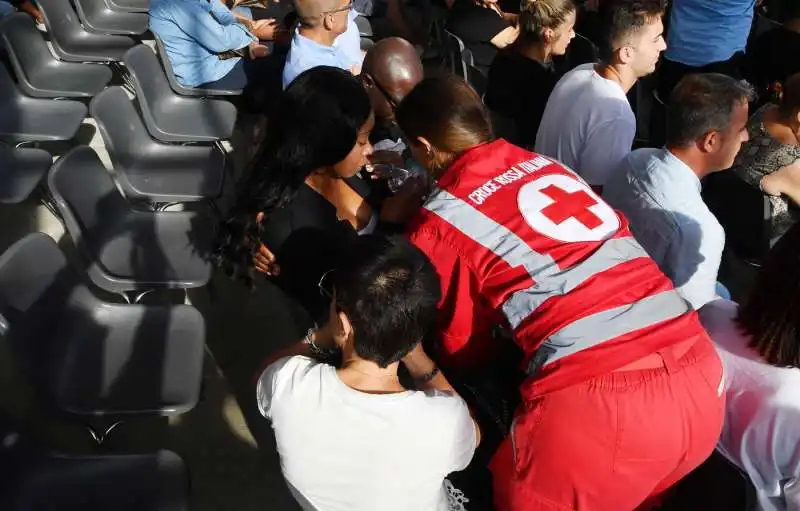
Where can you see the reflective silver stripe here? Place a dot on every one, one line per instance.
(610, 324)
(490, 234)
(616, 251)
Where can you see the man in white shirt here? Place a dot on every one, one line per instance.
(588, 124)
(760, 350)
(658, 190)
(354, 438)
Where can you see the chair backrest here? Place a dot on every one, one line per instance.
(26, 47)
(122, 129)
(167, 64)
(83, 188)
(743, 211)
(36, 284)
(8, 89)
(475, 76)
(149, 77)
(455, 54)
(61, 19)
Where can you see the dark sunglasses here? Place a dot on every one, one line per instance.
(389, 98)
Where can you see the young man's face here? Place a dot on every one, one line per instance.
(647, 45)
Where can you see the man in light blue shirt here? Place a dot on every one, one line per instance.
(658, 190)
(317, 42)
(195, 33)
(705, 36)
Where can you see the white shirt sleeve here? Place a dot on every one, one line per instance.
(274, 379)
(604, 149)
(465, 436)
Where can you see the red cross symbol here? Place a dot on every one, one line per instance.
(570, 205)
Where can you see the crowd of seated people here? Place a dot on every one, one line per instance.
(550, 323)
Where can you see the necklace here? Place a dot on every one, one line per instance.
(390, 377)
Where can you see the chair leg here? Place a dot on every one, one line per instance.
(132, 297)
(47, 200)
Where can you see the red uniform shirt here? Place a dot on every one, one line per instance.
(519, 239)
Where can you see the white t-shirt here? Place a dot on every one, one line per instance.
(587, 125)
(762, 419)
(345, 450)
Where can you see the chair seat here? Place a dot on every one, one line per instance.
(127, 249)
(98, 18)
(20, 171)
(41, 75)
(158, 371)
(170, 117)
(181, 89)
(129, 5)
(148, 169)
(133, 482)
(72, 43)
(26, 119)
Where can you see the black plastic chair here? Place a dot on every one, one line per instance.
(129, 5)
(32, 479)
(71, 42)
(25, 119)
(40, 74)
(180, 89)
(90, 358)
(21, 169)
(126, 249)
(170, 117)
(147, 169)
(454, 47)
(99, 18)
(475, 76)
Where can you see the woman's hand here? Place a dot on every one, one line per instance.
(264, 29)
(264, 260)
(404, 205)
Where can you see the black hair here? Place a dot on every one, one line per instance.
(619, 19)
(389, 290)
(701, 103)
(770, 314)
(317, 124)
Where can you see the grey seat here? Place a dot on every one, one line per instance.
(27, 119)
(147, 169)
(89, 358)
(130, 5)
(181, 89)
(126, 249)
(21, 169)
(170, 117)
(71, 42)
(99, 18)
(40, 74)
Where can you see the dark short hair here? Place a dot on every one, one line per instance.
(389, 290)
(770, 314)
(619, 19)
(701, 103)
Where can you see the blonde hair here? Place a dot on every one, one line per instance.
(537, 15)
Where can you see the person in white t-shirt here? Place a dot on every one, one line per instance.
(759, 343)
(588, 124)
(353, 438)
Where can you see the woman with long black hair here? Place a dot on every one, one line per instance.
(303, 199)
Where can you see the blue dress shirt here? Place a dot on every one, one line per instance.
(194, 32)
(660, 196)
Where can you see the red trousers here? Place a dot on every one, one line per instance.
(616, 441)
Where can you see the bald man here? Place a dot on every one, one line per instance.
(314, 42)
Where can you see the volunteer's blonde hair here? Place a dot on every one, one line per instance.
(537, 15)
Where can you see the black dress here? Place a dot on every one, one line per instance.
(518, 89)
(308, 240)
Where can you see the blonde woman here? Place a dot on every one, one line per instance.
(523, 76)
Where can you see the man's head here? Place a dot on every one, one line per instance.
(385, 298)
(391, 69)
(328, 15)
(708, 113)
(633, 34)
